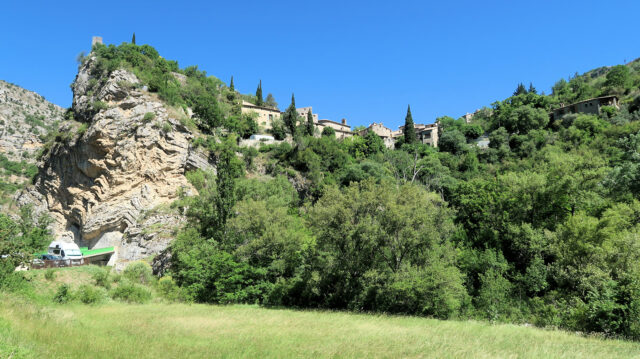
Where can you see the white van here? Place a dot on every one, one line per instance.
(68, 251)
(262, 138)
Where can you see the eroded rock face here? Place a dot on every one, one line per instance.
(25, 120)
(24, 116)
(131, 158)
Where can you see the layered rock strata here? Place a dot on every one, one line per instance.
(129, 158)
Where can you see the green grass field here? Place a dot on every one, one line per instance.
(34, 329)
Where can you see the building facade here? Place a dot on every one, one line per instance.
(469, 116)
(384, 132)
(304, 111)
(96, 40)
(265, 117)
(341, 128)
(591, 106)
(427, 134)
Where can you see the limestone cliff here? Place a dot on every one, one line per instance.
(25, 120)
(24, 117)
(103, 184)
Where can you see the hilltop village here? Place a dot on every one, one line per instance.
(427, 134)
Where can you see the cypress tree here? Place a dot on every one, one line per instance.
(133, 39)
(231, 85)
(229, 168)
(409, 130)
(310, 127)
(290, 116)
(259, 100)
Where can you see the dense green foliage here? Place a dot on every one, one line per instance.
(18, 241)
(540, 227)
(22, 168)
(14, 176)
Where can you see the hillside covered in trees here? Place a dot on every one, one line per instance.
(541, 227)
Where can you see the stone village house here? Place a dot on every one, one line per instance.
(266, 115)
(591, 106)
(427, 134)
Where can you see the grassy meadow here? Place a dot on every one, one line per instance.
(33, 328)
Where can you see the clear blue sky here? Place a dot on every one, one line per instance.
(361, 60)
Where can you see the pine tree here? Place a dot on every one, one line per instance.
(310, 126)
(409, 130)
(231, 85)
(133, 39)
(521, 90)
(270, 101)
(259, 100)
(532, 89)
(290, 116)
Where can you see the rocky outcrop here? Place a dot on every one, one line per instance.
(25, 120)
(129, 158)
(24, 117)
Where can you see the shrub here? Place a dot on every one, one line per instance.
(138, 272)
(82, 129)
(99, 105)
(50, 274)
(169, 290)
(167, 127)
(131, 293)
(89, 294)
(148, 117)
(63, 294)
(11, 281)
(249, 153)
(436, 290)
(328, 132)
(493, 297)
(610, 111)
(101, 277)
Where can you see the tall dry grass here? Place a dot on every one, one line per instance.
(157, 330)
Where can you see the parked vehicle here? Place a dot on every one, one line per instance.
(66, 251)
